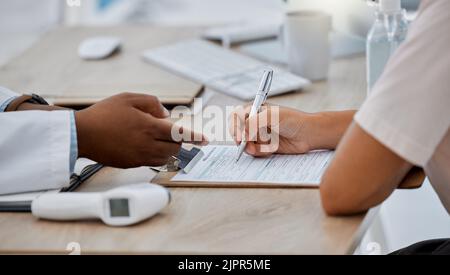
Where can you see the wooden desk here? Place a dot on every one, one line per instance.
(210, 220)
(53, 69)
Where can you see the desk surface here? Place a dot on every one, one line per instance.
(214, 220)
(53, 68)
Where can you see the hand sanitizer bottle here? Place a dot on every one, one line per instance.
(387, 33)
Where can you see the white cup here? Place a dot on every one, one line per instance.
(306, 41)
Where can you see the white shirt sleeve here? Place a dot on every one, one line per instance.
(6, 93)
(5, 97)
(409, 107)
(34, 151)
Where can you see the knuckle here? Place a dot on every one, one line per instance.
(151, 136)
(126, 95)
(149, 133)
(152, 99)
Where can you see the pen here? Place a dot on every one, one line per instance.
(260, 98)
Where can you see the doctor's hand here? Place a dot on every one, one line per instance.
(283, 130)
(128, 130)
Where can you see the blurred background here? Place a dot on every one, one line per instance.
(407, 217)
(22, 21)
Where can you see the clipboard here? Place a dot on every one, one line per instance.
(188, 158)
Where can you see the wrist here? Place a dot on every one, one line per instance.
(80, 123)
(26, 102)
(26, 106)
(316, 131)
(327, 128)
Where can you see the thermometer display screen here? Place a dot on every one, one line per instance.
(119, 208)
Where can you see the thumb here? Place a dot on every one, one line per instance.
(181, 134)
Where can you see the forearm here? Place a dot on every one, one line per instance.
(10, 102)
(327, 128)
(363, 173)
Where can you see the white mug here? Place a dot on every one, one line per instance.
(307, 44)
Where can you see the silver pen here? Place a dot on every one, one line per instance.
(260, 98)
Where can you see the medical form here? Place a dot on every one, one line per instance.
(219, 165)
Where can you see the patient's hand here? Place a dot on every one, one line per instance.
(128, 130)
(274, 130)
(288, 131)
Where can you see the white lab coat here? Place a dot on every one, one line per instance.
(34, 149)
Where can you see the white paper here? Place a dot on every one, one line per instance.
(219, 165)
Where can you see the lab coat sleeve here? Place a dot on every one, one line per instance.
(34, 151)
(6, 96)
(73, 143)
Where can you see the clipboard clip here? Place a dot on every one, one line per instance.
(184, 161)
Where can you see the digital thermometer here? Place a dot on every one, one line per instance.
(118, 207)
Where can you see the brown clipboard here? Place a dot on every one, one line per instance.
(413, 180)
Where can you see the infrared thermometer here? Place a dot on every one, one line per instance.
(118, 207)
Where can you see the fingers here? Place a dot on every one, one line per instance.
(257, 129)
(148, 104)
(264, 145)
(235, 128)
(189, 136)
(260, 150)
(237, 122)
(240, 121)
(160, 152)
(258, 126)
(160, 129)
(167, 131)
(165, 149)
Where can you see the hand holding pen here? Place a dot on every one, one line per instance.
(260, 99)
